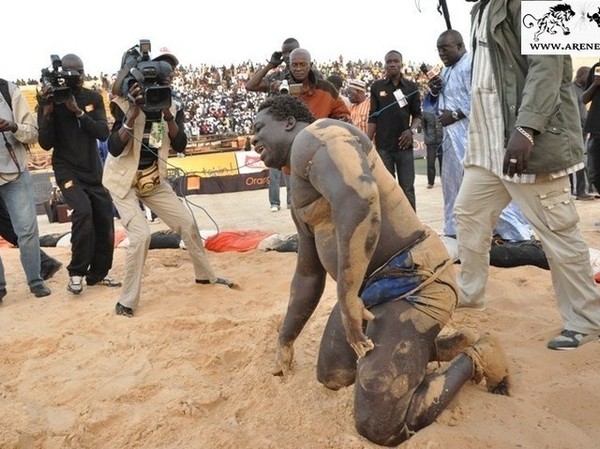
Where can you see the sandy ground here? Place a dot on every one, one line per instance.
(191, 370)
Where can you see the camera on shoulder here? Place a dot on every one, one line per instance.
(59, 79)
(151, 76)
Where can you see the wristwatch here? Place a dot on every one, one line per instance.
(455, 116)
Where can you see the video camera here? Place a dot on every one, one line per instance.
(152, 77)
(59, 79)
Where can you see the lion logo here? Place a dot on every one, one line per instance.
(595, 17)
(556, 17)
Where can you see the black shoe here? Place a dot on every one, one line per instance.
(2, 294)
(40, 290)
(120, 309)
(221, 281)
(50, 268)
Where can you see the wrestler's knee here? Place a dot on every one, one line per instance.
(381, 433)
(336, 379)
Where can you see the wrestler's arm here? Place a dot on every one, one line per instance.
(306, 290)
(343, 177)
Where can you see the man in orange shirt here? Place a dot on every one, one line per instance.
(321, 97)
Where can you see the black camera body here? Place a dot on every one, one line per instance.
(58, 79)
(152, 77)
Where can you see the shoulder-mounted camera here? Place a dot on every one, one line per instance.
(152, 77)
(60, 80)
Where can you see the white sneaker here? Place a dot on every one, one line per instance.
(75, 285)
(274, 208)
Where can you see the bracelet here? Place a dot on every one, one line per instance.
(169, 118)
(128, 128)
(525, 133)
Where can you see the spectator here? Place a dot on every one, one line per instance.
(18, 127)
(450, 92)
(260, 82)
(320, 95)
(518, 151)
(394, 115)
(338, 82)
(592, 125)
(433, 134)
(359, 104)
(49, 265)
(578, 180)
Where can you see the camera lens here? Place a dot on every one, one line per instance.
(284, 87)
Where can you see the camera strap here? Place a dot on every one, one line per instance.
(7, 97)
(13, 156)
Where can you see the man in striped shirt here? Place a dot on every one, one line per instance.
(523, 144)
(359, 103)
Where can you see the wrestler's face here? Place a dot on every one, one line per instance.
(272, 139)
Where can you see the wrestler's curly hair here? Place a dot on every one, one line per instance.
(284, 106)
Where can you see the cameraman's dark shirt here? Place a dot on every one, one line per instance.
(391, 121)
(75, 155)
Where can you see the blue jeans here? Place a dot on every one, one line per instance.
(275, 186)
(20, 201)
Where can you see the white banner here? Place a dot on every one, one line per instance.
(560, 28)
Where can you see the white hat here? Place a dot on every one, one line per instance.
(164, 54)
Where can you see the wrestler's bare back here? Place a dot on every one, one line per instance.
(351, 157)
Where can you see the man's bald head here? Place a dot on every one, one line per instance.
(300, 53)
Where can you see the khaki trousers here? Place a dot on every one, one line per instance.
(168, 207)
(550, 211)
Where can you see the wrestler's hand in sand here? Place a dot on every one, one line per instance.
(283, 359)
(353, 323)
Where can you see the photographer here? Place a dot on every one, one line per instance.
(70, 122)
(17, 126)
(136, 167)
(262, 82)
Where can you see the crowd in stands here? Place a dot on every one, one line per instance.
(216, 101)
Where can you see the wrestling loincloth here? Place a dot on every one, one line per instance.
(420, 274)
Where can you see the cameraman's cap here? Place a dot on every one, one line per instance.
(164, 54)
(358, 85)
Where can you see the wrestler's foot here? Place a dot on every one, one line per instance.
(490, 363)
(449, 346)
